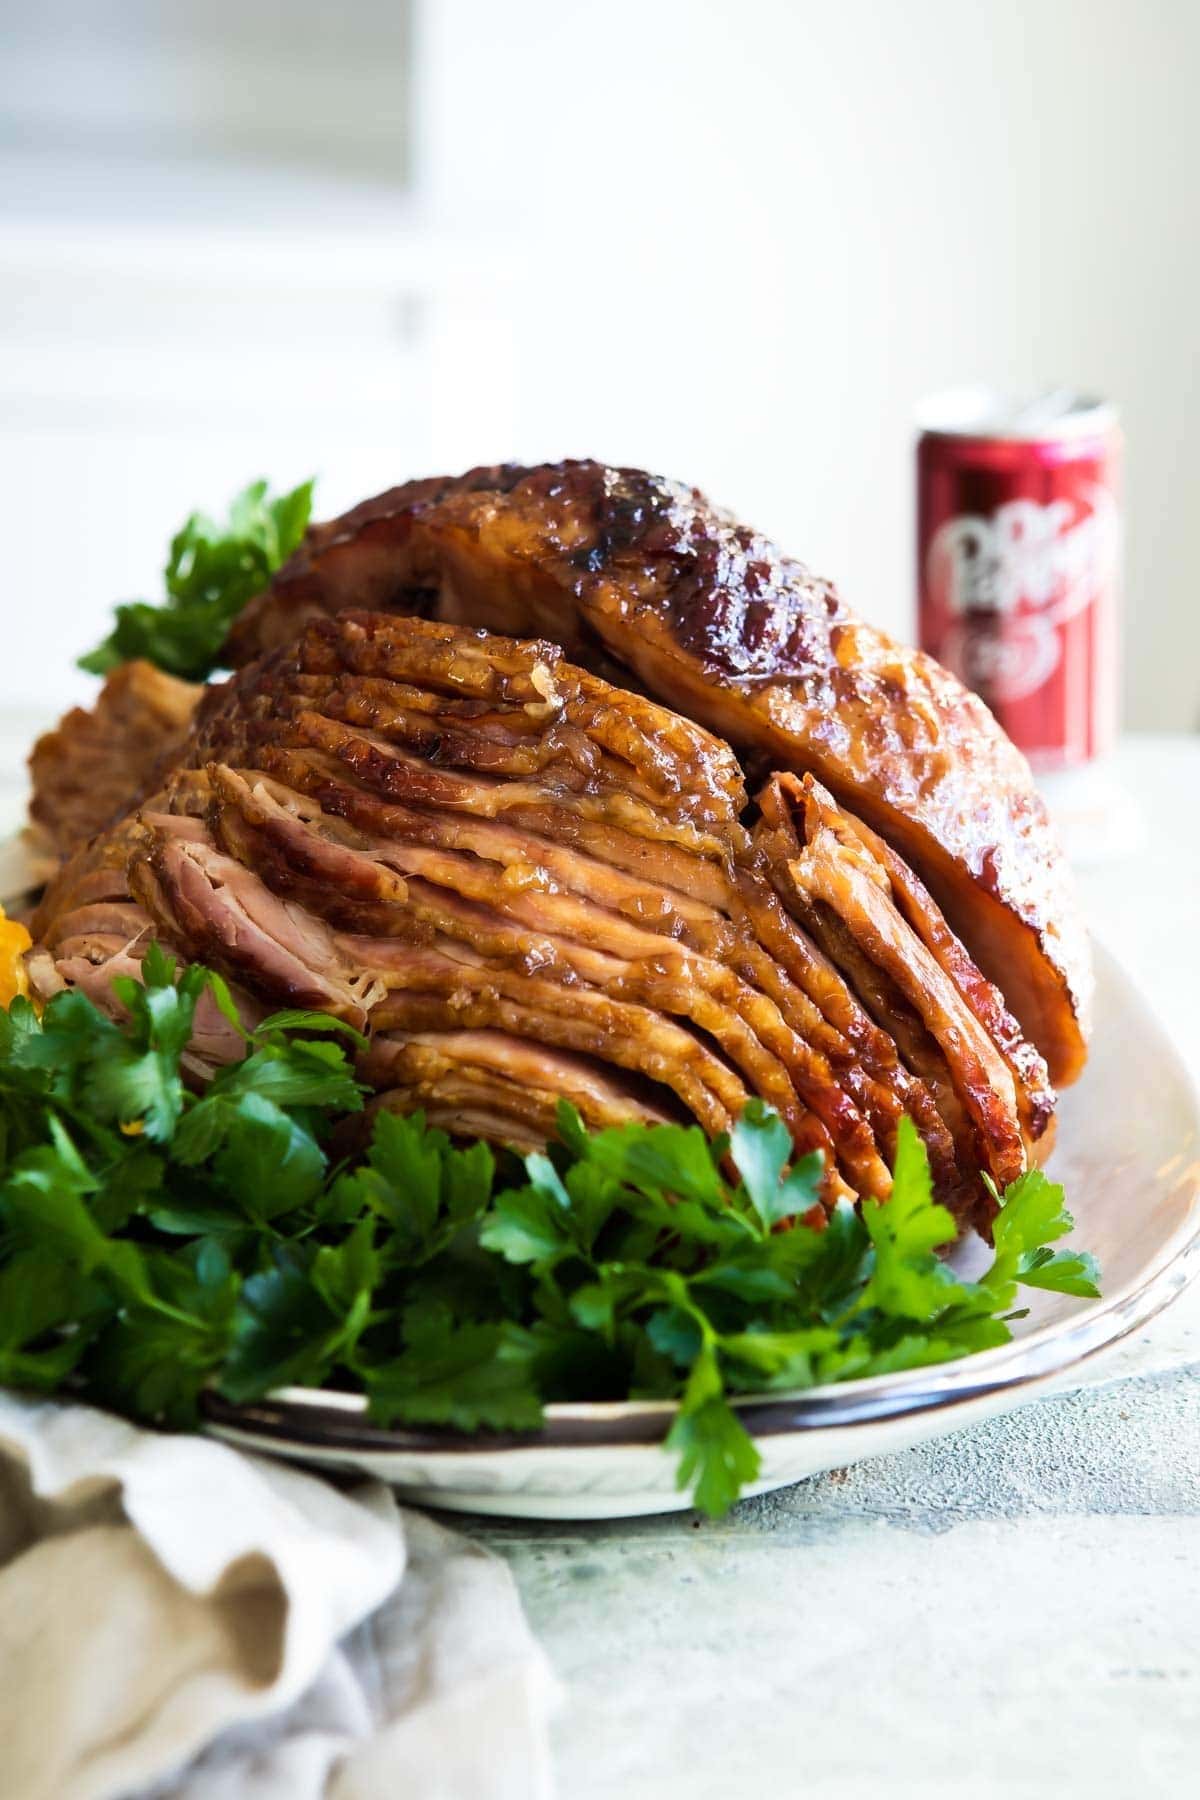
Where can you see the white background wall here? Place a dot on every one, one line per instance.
(735, 240)
(764, 229)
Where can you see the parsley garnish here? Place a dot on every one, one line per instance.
(212, 570)
(155, 1241)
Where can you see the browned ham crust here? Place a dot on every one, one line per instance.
(87, 771)
(631, 573)
(525, 884)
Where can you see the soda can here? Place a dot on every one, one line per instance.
(1018, 561)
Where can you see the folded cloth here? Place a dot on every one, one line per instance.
(183, 1621)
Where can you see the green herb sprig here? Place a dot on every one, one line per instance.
(212, 570)
(156, 1241)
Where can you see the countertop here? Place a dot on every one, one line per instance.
(1013, 1610)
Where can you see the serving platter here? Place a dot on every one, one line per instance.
(1128, 1152)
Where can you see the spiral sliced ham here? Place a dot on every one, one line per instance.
(526, 884)
(644, 581)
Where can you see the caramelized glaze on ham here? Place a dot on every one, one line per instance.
(525, 884)
(634, 574)
(94, 764)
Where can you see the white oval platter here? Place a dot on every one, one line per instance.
(1128, 1152)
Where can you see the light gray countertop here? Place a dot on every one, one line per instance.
(1013, 1610)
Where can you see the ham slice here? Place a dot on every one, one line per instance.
(89, 770)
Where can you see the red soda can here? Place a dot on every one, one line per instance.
(1018, 554)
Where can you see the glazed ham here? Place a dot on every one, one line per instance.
(85, 772)
(646, 583)
(523, 883)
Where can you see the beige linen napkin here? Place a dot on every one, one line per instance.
(180, 1620)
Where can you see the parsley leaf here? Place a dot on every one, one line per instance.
(300, 1315)
(463, 1375)
(1033, 1215)
(529, 1225)
(40, 1297)
(268, 1163)
(418, 1184)
(212, 570)
(717, 1457)
(761, 1147)
(908, 1281)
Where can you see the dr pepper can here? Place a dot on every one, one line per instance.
(1018, 556)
